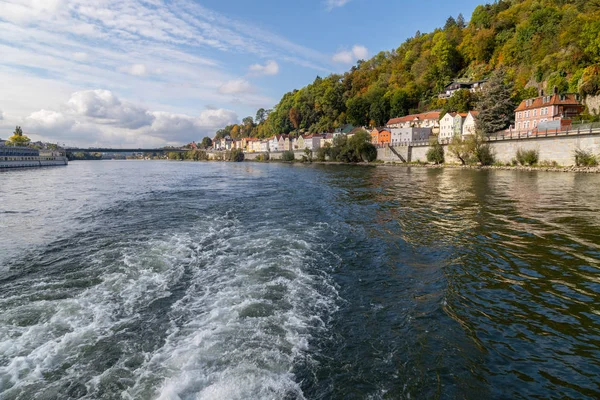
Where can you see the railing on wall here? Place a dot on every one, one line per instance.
(574, 130)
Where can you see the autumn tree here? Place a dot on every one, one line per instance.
(18, 139)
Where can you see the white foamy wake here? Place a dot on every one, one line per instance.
(249, 302)
(247, 319)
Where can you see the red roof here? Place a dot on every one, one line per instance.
(569, 99)
(421, 117)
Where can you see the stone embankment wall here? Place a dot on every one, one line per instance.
(558, 148)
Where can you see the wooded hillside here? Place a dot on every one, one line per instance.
(540, 43)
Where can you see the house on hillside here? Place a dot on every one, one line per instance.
(455, 86)
(312, 142)
(264, 146)
(447, 126)
(288, 143)
(429, 119)
(381, 136)
(274, 143)
(344, 129)
(252, 145)
(326, 138)
(459, 121)
(300, 143)
(469, 127)
(452, 124)
(543, 109)
(408, 136)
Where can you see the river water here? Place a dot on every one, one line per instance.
(166, 280)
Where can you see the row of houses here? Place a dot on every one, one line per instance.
(552, 113)
(546, 112)
(280, 142)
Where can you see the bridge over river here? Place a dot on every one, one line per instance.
(110, 150)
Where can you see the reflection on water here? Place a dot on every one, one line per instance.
(227, 281)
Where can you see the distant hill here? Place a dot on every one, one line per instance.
(541, 43)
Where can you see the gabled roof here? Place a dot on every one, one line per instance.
(569, 99)
(418, 117)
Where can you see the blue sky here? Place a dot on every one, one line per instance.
(158, 72)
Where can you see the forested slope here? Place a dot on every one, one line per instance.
(540, 43)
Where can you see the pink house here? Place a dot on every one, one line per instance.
(540, 110)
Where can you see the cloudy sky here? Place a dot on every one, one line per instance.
(160, 72)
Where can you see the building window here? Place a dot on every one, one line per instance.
(535, 113)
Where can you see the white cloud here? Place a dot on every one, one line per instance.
(167, 124)
(349, 56)
(236, 86)
(134, 69)
(1, 115)
(53, 50)
(46, 121)
(80, 56)
(270, 68)
(331, 4)
(98, 117)
(105, 107)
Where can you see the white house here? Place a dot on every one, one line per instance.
(274, 143)
(281, 143)
(447, 126)
(312, 142)
(469, 124)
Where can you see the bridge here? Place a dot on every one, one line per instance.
(109, 150)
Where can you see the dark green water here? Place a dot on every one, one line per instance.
(136, 280)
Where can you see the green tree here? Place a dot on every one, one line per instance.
(236, 155)
(206, 143)
(261, 115)
(357, 111)
(436, 153)
(288, 156)
(496, 107)
(460, 149)
(462, 101)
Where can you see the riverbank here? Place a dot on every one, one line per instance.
(593, 170)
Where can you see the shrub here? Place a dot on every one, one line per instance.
(584, 158)
(236, 155)
(436, 153)
(307, 157)
(262, 157)
(528, 157)
(288, 156)
(321, 154)
(484, 154)
(367, 152)
(547, 163)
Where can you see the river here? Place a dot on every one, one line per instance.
(176, 280)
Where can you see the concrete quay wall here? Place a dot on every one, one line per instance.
(552, 148)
